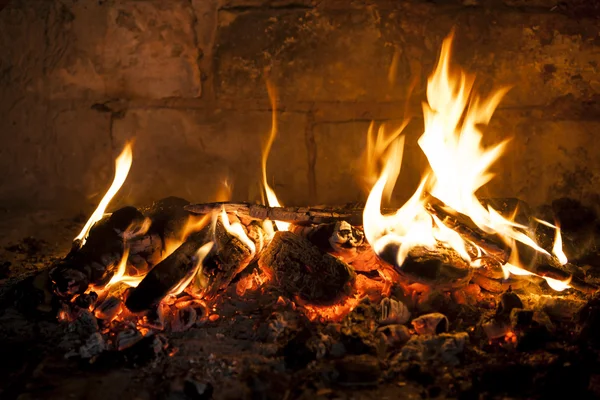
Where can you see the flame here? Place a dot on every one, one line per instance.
(121, 273)
(272, 200)
(459, 167)
(137, 229)
(225, 191)
(193, 224)
(122, 166)
(557, 285)
(557, 247)
(237, 230)
(200, 255)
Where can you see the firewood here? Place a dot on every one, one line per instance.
(300, 269)
(168, 273)
(492, 244)
(353, 215)
(340, 239)
(441, 266)
(296, 215)
(228, 257)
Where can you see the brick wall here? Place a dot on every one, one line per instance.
(186, 80)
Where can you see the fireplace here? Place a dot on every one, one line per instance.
(309, 198)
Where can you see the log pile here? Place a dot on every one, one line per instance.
(323, 263)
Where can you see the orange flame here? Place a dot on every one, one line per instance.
(459, 166)
(200, 255)
(122, 166)
(121, 274)
(272, 200)
(193, 224)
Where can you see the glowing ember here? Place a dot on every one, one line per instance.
(122, 166)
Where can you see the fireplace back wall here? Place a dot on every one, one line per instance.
(186, 80)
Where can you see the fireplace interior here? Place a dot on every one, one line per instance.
(293, 199)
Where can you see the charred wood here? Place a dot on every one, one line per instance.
(167, 274)
(228, 257)
(492, 244)
(440, 266)
(338, 238)
(296, 215)
(301, 269)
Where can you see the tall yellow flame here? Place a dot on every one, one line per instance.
(272, 200)
(122, 166)
(459, 166)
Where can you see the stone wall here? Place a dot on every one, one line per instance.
(186, 80)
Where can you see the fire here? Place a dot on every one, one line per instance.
(200, 255)
(557, 247)
(193, 224)
(122, 166)
(271, 197)
(237, 230)
(459, 167)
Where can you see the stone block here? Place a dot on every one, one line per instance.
(546, 159)
(242, 4)
(22, 39)
(310, 55)
(125, 49)
(57, 157)
(189, 153)
(374, 53)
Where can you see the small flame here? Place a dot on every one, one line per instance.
(137, 229)
(122, 166)
(200, 256)
(557, 247)
(237, 230)
(193, 224)
(121, 274)
(272, 200)
(557, 285)
(224, 192)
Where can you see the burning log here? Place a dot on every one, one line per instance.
(230, 255)
(441, 266)
(492, 244)
(353, 216)
(167, 274)
(300, 269)
(337, 238)
(296, 215)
